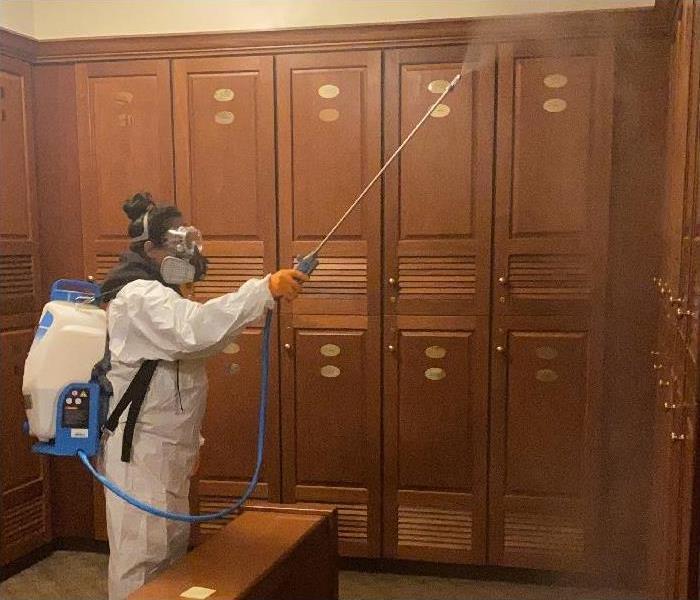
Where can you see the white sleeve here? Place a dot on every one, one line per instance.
(150, 321)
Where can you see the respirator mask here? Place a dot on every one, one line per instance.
(186, 263)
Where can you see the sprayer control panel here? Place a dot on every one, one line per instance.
(76, 409)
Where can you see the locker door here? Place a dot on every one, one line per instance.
(545, 398)
(329, 144)
(438, 194)
(225, 164)
(125, 146)
(225, 179)
(552, 177)
(19, 268)
(435, 438)
(331, 422)
(25, 519)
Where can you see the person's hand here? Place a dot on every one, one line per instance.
(286, 283)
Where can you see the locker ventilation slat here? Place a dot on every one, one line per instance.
(549, 277)
(210, 504)
(24, 520)
(338, 276)
(16, 277)
(352, 523)
(437, 276)
(226, 274)
(105, 263)
(435, 528)
(543, 536)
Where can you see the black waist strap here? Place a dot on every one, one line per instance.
(133, 398)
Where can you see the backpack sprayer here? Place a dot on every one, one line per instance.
(61, 396)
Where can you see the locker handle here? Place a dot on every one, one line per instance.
(664, 383)
(392, 281)
(288, 347)
(391, 348)
(677, 437)
(676, 301)
(503, 280)
(657, 366)
(500, 349)
(669, 406)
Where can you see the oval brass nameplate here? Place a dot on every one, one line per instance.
(330, 371)
(124, 97)
(435, 374)
(330, 350)
(437, 86)
(328, 115)
(441, 110)
(435, 352)
(232, 348)
(224, 117)
(328, 91)
(555, 105)
(546, 352)
(546, 375)
(234, 368)
(224, 95)
(556, 80)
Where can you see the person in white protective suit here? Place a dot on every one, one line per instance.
(149, 320)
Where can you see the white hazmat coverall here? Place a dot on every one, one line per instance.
(149, 321)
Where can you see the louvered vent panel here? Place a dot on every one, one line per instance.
(336, 276)
(16, 277)
(549, 277)
(210, 504)
(352, 523)
(24, 520)
(105, 263)
(226, 274)
(451, 276)
(543, 535)
(435, 528)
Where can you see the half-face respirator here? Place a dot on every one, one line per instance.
(186, 259)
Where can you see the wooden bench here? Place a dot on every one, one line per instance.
(273, 552)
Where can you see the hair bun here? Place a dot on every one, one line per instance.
(138, 205)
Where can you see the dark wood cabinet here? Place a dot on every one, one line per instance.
(125, 146)
(331, 422)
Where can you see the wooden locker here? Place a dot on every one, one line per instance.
(543, 473)
(552, 177)
(331, 422)
(435, 438)
(225, 181)
(125, 146)
(225, 164)
(438, 194)
(19, 268)
(25, 518)
(329, 147)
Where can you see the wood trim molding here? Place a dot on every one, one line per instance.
(633, 22)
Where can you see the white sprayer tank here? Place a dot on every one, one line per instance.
(68, 343)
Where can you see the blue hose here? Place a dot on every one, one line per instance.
(262, 413)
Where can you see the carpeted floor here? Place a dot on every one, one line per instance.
(82, 576)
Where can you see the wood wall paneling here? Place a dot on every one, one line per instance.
(329, 144)
(331, 422)
(438, 195)
(125, 141)
(435, 438)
